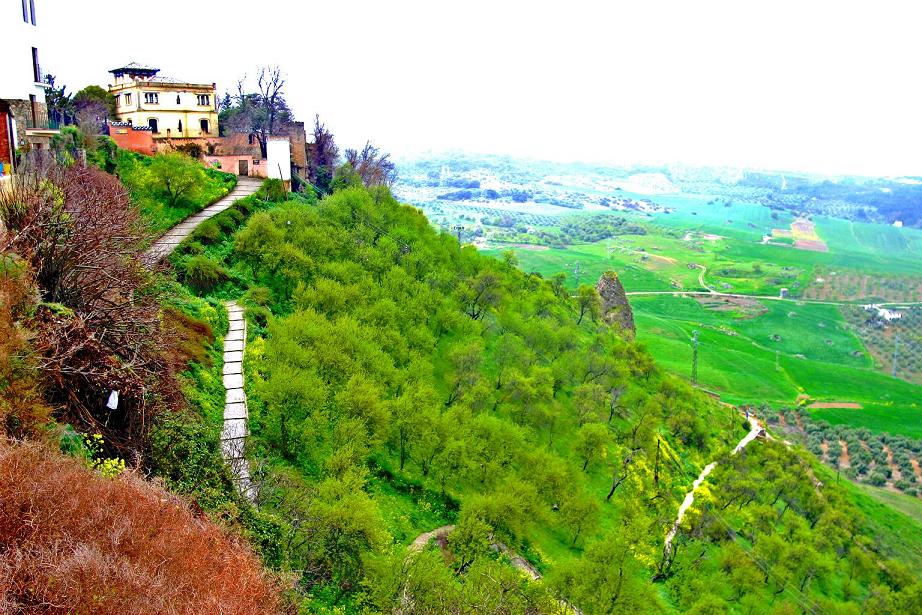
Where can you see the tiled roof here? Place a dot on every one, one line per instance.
(165, 79)
(134, 67)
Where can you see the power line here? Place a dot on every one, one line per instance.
(896, 353)
(694, 374)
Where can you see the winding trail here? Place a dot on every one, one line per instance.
(517, 561)
(169, 240)
(426, 537)
(754, 432)
(235, 428)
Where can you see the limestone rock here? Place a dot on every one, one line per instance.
(615, 306)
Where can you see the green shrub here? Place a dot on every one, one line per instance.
(258, 296)
(259, 315)
(186, 454)
(208, 232)
(264, 533)
(273, 190)
(190, 247)
(202, 273)
(105, 156)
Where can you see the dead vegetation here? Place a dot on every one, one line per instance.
(95, 315)
(73, 541)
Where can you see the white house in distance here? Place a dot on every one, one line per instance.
(23, 112)
(882, 312)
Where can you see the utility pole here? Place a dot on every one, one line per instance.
(896, 353)
(458, 230)
(576, 273)
(694, 375)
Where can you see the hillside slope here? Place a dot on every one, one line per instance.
(398, 383)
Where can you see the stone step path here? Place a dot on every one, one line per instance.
(236, 416)
(168, 242)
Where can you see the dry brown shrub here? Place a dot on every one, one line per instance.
(23, 412)
(72, 541)
(84, 241)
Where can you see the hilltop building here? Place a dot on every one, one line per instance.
(23, 111)
(156, 113)
(171, 109)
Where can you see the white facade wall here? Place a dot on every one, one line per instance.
(17, 38)
(278, 153)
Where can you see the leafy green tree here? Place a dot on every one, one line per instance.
(176, 177)
(469, 541)
(592, 442)
(465, 360)
(92, 96)
(607, 579)
(589, 303)
(480, 293)
(580, 513)
(589, 401)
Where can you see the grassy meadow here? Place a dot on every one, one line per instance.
(755, 351)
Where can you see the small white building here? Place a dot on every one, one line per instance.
(889, 315)
(278, 154)
(898, 223)
(882, 312)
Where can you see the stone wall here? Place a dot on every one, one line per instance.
(22, 113)
(136, 139)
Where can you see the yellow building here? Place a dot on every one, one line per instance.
(172, 108)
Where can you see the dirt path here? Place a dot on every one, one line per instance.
(683, 293)
(426, 537)
(702, 283)
(895, 472)
(917, 469)
(845, 461)
(168, 242)
(754, 432)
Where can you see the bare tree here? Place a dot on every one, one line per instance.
(262, 113)
(323, 156)
(374, 167)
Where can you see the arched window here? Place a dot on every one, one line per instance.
(203, 124)
(180, 125)
(177, 99)
(250, 138)
(152, 122)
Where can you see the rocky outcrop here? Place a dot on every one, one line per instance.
(615, 306)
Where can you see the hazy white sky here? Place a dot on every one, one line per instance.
(808, 84)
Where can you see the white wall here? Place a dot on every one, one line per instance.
(17, 38)
(278, 152)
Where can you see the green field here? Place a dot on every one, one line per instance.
(766, 351)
